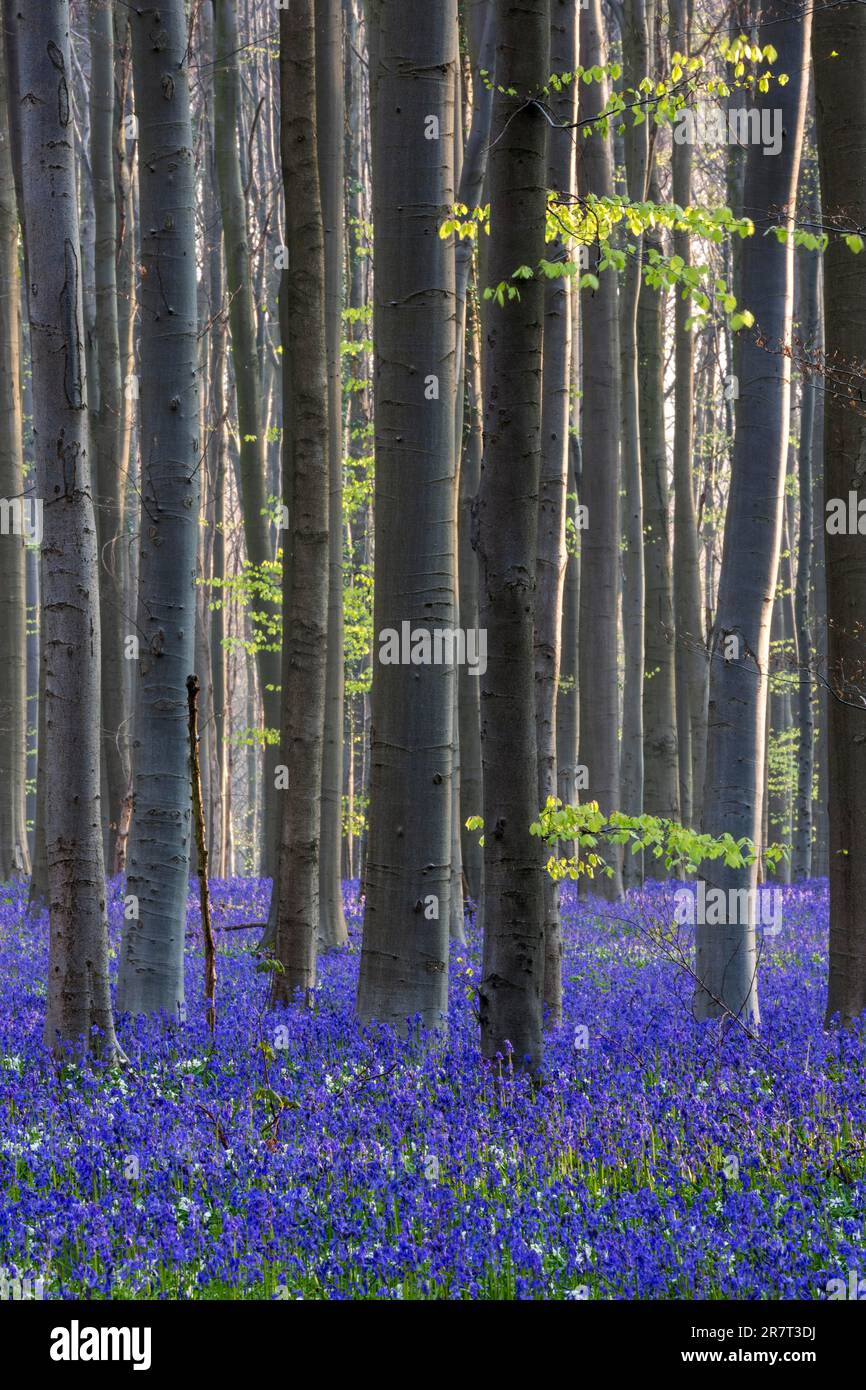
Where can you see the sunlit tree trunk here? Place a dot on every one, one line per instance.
(635, 47)
(691, 656)
(740, 649)
(14, 850)
(600, 541)
(553, 485)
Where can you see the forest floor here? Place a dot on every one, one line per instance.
(299, 1156)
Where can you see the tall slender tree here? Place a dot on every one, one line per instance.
(691, 656)
(329, 122)
(306, 467)
(661, 791)
(839, 55)
(809, 264)
(404, 961)
(107, 416)
(553, 483)
(151, 968)
(481, 45)
(14, 849)
(251, 423)
(600, 540)
(740, 648)
(78, 1005)
(635, 49)
(512, 979)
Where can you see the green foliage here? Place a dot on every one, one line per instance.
(679, 847)
(590, 829)
(355, 822)
(597, 221)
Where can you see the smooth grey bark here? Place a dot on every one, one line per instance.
(32, 591)
(726, 956)
(456, 887)
(691, 653)
(821, 848)
(14, 848)
(512, 978)
(78, 1005)
(404, 960)
(600, 542)
(661, 764)
(783, 870)
(126, 550)
(200, 781)
(306, 472)
(245, 359)
(357, 409)
(635, 47)
(151, 967)
(567, 695)
(107, 420)
(219, 483)
(212, 623)
(469, 686)
(839, 56)
(706, 461)
(777, 818)
(808, 266)
(329, 120)
(481, 44)
(551, 554)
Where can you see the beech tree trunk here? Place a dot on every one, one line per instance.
(809, 264)
(481, 43)
(306, 470)
(512, 980)
(108, 422)
(469, 697)
(329, 122)
(245, 359)
(14, 850)
(839, 56)
(404, 961)
(635, 48)
(600, 542)
(78, 1005)
(553, 486)
(820, 817)
(661, 765)
(151, 968)
(691, 654)
(567, 698)
(740, 650)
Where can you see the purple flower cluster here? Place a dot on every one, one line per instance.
(300, 1155)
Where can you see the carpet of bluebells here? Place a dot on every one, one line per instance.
(301, 1156)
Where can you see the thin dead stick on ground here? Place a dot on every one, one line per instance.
(192, 686)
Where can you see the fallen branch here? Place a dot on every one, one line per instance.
(192, 687)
